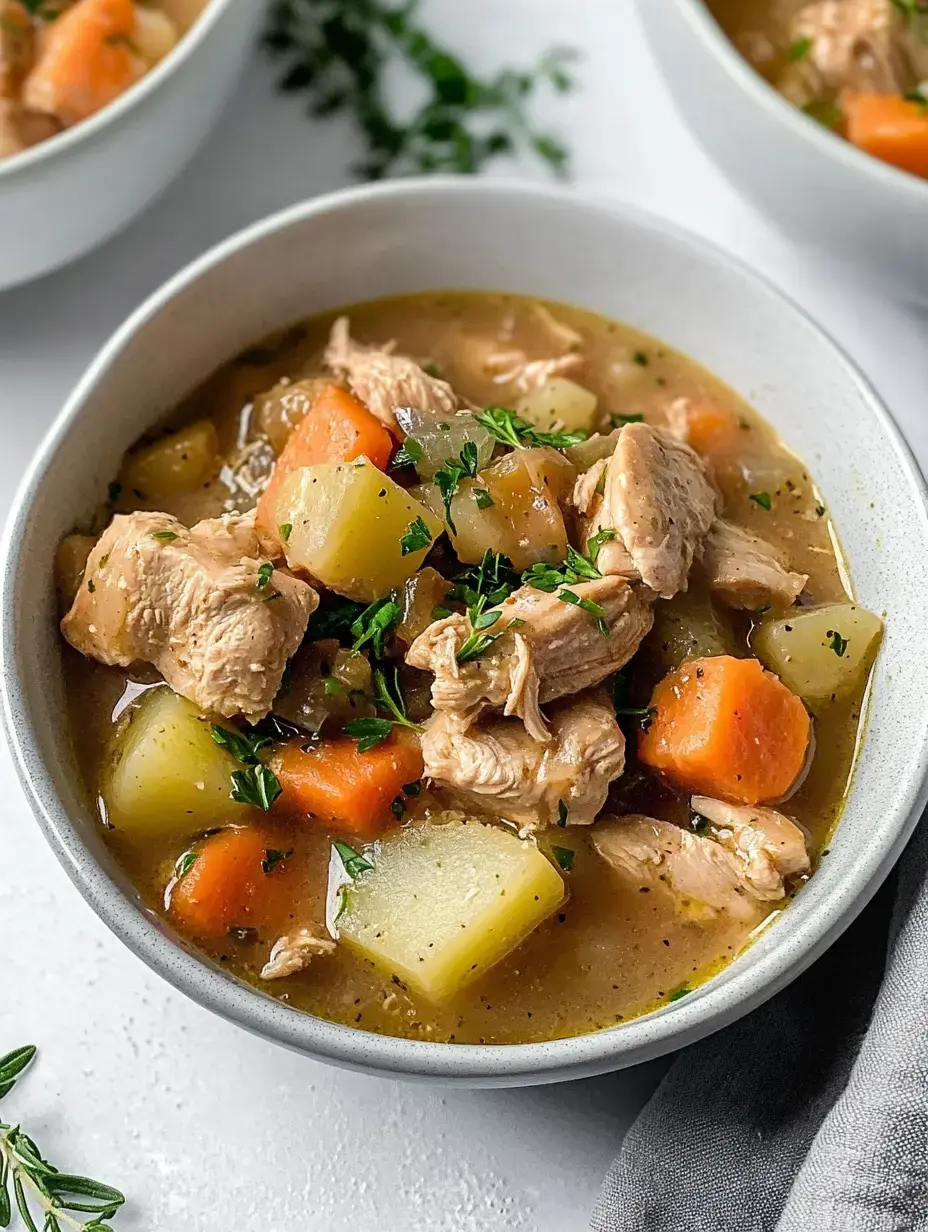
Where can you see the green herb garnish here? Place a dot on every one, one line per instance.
(594, 544)
(388, 696)
(340, 55)
(410, 453)
(256, 785)
(90, 585)
(273, 857)
(417, 537)
(564, 857)
(354, 862)
(451, 474)
(368, 732)
(586, 605)
(265, 573)
(837, 643)
(184, 864)
(285, 531)
(619, 421)
(762, 499)
(620, 700)
(561, 813)
(483, 498)
(244, 746)
(374, 623)
(510, 429)
(641, 359)
(678, 993)
(334, 617)
(799, 50)
(165, 535)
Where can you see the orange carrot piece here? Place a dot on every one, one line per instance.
(86, 60)
(336, 783)
(725, 727)
(228, 885)
(711, 429)
(891, 128)
(336, 428)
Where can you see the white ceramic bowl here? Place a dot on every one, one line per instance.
(464, 234)
(817, 188)
(65, 196)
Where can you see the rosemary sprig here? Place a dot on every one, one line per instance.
(338, 53)
(36, 1184)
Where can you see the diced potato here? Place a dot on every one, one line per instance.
(70, 560)
(154, 35)
(175, 463)
(348, 520)
(443, 903)
(327, 682)
(690, 626)
(168, 776)
(822, 651)
(524, 521)
(560, 406)
(432, 441)
(421, 594)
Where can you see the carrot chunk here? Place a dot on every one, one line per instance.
(891, 128)
(337, 428)
(727, 728)
(711, 429)
(86, 60)
(335, 782)
(232, 883)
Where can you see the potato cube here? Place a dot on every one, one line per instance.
(822, 651)
(174, 463)
(168, 776)
(560, 406)
(443, 903)
(348, 523)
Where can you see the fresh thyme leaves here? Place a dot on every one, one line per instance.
(164, 535)
(510, 429)
(265, 573)
(339, 56)
(564, 857)
(483, 498)
(799, 50)
(354, 862)
(837, 643)
(273, 857)
(417, 537)
(593, 545)
(587, 605)
(762, 499)
(451, 474)
(39, 1189)
(484, 587)
(474, 646)
(374, 623)
(255, 785)
(388, 696)
(243, 746)
(576, 568)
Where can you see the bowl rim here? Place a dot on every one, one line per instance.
(638, 1040)
(705, 27)
(136, 94)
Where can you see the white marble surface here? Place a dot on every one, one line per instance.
(205, 1127)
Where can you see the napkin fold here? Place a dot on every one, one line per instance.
(809, 1115)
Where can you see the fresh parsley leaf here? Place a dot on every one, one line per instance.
(374, 623)
(265, 573)
(837, 643)
(620, 700)
(485, 620)
(417, 537)
(185, 863)
(510, 429)
(285, 531)
(593, 545)
(389, 696)
(678, 993)
(486, 584)
(564, 857)
(334, 617)
(332, 687)
(799, 50)
(619, 421)
(826, 114)
(354, 862)
(483, 498)
(451, 474)
(164, 535)
(368, 732)
(273, 857)
(762, 499)
(244, 746)
(586, 605)
(410, 453)
(474, 646)
(255, 785)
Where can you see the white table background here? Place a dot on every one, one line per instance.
(203, 1126)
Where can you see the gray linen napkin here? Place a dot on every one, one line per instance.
(809, 1115)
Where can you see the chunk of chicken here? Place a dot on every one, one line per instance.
(383, 380)
(498, 765)
(657, 498)
(769, 845)
(703, 876)
(744, 571)
(556, 650)
(854, 44)
(294, 952)
(513, 366)
(199, 604)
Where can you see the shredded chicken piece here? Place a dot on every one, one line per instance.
(498, 765)
(195, 604)
(586, 489)
(658, 499)
(744, 571)
(294, 952)
(558, 650)
(677, 419)
(383, 380)
(769, 845)
(701, 876)
(569, 338)
(516, 369)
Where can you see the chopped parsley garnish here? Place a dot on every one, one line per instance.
(165, 535)
(561, 813)
(819, 511)
(619, 421)
(410, 453)
(586, 605)
(641, 359)
(265, 573)
(374, 623)
(388, 696)
(593, 545)
(564, 857)
(185, 863)
(451, 474)
(678, 993)
(273, 857)
(440, 612)
(334, 617)
(484, 587)
(368, 732)
(826, 114)
(417, 537)
(255, 785)
(90, 585)
(576, 568)
(285, 531)
(354, 862)
(510, 429)
(474, 646)
(244, 746)
(837, 643)
(483, 498)
(799, 50)
(620, 700)
(762, 499)
(332, 687)
(762, 610)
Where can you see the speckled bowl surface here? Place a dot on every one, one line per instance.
(482, 235)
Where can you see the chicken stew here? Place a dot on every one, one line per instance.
(63, 60)
(464, 668)
(859, 67)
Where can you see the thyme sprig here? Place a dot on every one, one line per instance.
(338, 53)
(37, 1185)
